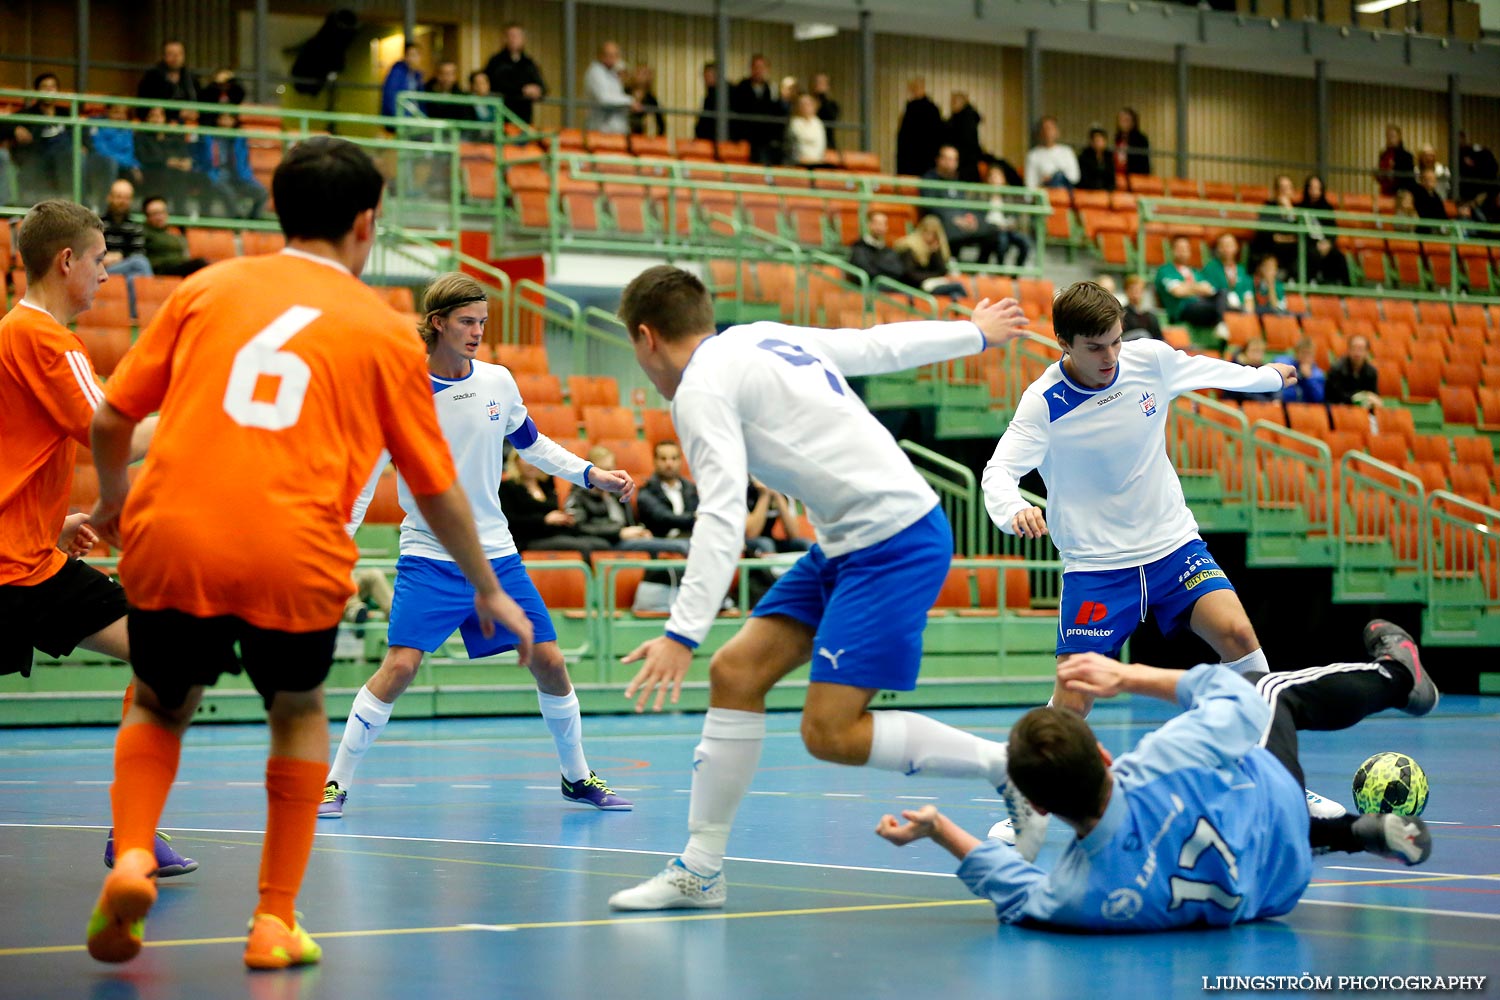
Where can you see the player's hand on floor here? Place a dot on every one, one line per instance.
(1000, 322)
(77, 538)
(499, 607)
(920, 823)
(1093, 674)
(664, 663)
(1029, 523)
(614, 481)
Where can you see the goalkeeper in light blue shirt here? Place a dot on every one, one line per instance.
(1205, 821)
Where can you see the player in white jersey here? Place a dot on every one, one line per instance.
(479, 408)
(772, 401)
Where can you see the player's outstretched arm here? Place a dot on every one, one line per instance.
(1185, 372)
(110, 439)
(928, 822)
(894, 347)
(449, 516)
(1102, 677)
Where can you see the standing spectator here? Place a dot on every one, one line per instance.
(1252, 355)
(46, 160)
(871, 254)
(1426, 198)
(609, 104)
(124, 239)
(754, 95)
(963, 227)
(445, 81)
(1282, 245)
(1008, 228)
(166, 247)
(529, 500)
(170, 79)
(1185, 296)
(667, 501)
(1311, 384)
(1050, 163)
(961, 131)
(167, 159)
(11, 136)
(1139, 321)
(114, 147)
(1352, 379)
(806, 135)
(828, 108)
(223, 88)
(1096, 164)
(1132, 148)
(707, 124)
(405, 74)
(514, 75)
(225, 162)
(1478, 171)
(926, 261)
(1270, 300)
(600, 514)
(1228, 275)
(920, 132)
(1427, 160)
(641, 91)
(1396, 166)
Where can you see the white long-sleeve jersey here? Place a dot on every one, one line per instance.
(771, 400)
(1113, 498)
(478, 414)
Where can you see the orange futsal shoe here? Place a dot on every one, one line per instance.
(274, 945)
(119, 922)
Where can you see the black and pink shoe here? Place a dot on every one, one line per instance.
(1392, 643)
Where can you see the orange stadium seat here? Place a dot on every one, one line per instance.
(593, 390)
(211, 244)
(540, 389)
(603, 423)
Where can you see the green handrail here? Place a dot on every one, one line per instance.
(1463, 599)
(606, 347)
(956, 489)
(1291, 513)
(1382, 534)
(533, 300)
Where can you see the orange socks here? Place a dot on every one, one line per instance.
(293, 790)
(145, 766)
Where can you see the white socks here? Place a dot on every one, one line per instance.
(561, 713)
(914, 744)
(723, 764)
(366, 719)
(1250, 661)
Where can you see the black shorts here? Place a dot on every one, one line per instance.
(56, 614)
(173, 652)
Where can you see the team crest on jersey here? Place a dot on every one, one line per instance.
(1122, 904)
(1148, 403)
(494, 410)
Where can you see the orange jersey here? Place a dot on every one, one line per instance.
(280, 379)
(48, 394)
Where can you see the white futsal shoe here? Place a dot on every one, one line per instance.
(675, 887)
(1025, 829)
(1320, 808)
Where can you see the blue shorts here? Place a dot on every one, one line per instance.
(1099, 610)
(868, 608)
(433, 598)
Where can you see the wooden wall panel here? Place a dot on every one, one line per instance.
(1082, 91)
(1251, 116)
(1360, 113)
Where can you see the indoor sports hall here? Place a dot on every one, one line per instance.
(1310, 184)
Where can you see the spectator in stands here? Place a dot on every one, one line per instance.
(515, 76)
(1096, 164)
(1426, 199)
(45, 161)
(167, 159)
(609, 105)
(964, 227)
(767, 508)
(806, 135)
(11, 136)
(1269, 297)
(170, 79)
(1311, 384)
(1185, 295)
(1427, 160)
(1325, 261)
(1280, 208)
(707, 125)
(166, 247)
(1478, 172)
(642, 84)
(871, 254)
(755, 95)
(124, 239)
(601, 515)
(828, 108)
(1139, 321)
(445, 81)
(1008, 228)
(1050, 163)
(1253, 355)
(1132, 148)
(920, 133)
(1396, 168)
(372, 591)
(1228, 276)
(1406, 208)
(223, 88)
(114, 148)
(529, 500)
(405, 74)
(961, 131)
(926, 261)
(483, 115)
(1352, 378)
(1314, 197)
(668, 502)
(225, 161)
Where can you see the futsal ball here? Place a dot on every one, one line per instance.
(1390, 782)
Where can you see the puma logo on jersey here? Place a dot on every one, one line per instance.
(1060, 397)
(833, 658)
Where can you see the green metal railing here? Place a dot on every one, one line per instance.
(1382, 533)
(1291, 516)
(957, 493)
(1463, 599)
(1209, 443)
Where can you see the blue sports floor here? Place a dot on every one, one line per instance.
(458, 871)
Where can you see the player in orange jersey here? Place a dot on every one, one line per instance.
(47, 600)
(280, 379)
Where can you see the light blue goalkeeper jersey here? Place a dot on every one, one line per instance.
(1204, 826)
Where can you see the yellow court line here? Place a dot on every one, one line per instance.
(59, 949)
(1417, 879)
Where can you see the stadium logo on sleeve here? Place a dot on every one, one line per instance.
(1148, 403)
(494, 409)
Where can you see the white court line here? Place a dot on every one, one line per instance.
(540, 788)
(245, 784)
(93, 782)
(917, 798)
(1403, 871)
(843, 795)
(758, 792)
(393, 784)
(468, 786)
(18, 782)
(1399, 909)
(986, 800)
